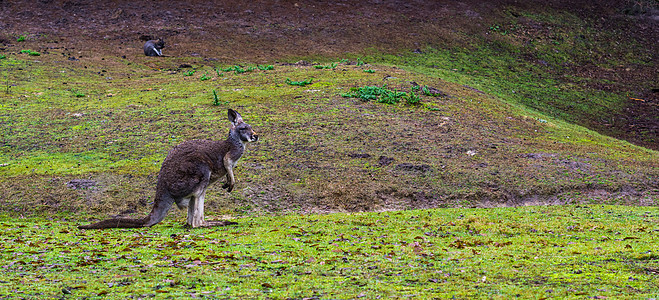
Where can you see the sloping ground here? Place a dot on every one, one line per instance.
(86, 123)
(590, 64)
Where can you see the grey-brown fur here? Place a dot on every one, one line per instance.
(154, 47)
(187, 171)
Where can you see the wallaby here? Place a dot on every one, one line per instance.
(153, 47)
(187, 171)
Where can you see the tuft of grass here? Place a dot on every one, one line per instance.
(30, 52)
(238, 69)
(379, 94)
(330, 66)
(265, 67)
(298, 83)
(369, 71)
(189, 73)
(216, 99)
(21, 38)
(204, 77)
(412, 98)
(77, 93)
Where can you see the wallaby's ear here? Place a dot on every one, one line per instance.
(234, 117)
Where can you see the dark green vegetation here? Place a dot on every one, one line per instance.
(383, 95)
(298, 83)
(529, 253)
(483, 106)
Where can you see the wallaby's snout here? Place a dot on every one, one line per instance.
(255, 137)
(250, 135)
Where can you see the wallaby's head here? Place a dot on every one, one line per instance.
(160, 43)
(242, 129)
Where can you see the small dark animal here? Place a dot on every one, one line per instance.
(154, 47)
(187, 171)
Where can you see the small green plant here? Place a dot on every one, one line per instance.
(379, 94)
(330, 66)
(238, 69)
(499, 29)
(21, 38)
(265, 67)
(412, 98)
(391, 97)
(204, 77)
(360, 62)
(219, 74)
(2, 56)
(369, 71)
(30, 52)
(216, 99)
(189, 73)
(77, 93)
(298, 83)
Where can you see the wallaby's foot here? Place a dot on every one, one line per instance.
(228, 187)
(219, 223)
(211, 224)
(197, 225)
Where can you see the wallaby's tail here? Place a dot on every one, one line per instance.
(116, 223)
(160, 208)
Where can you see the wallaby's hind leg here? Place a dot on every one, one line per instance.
(196, 210)
(160, 209)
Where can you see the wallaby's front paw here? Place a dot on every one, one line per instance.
(227, 186)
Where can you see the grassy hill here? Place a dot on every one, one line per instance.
(112, 121)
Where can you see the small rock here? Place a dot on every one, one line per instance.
(359, 155)
(385, 161)
(78, 184)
